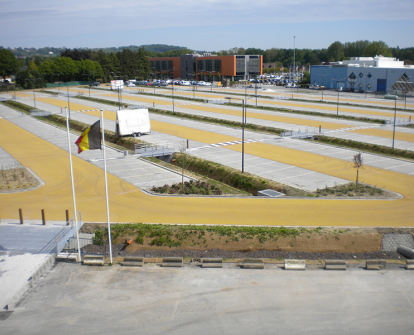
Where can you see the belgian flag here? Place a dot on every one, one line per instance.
(90, 138)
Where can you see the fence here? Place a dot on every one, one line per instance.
(300, 133)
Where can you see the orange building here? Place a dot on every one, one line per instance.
(207, 67)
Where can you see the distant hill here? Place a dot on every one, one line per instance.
(151, 48)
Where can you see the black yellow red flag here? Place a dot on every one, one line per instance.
(90, 138)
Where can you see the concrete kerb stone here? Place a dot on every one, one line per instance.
(93, 260)
(211, 262)
(410, 264)
(376, 264)
(43, 269)
(253, 263)
(133, 261)
(295, 264)
(172, 262)
(335, 264)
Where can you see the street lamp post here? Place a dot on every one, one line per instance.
(34, 95)
(395, 117)
(322, 87)
(244, 117)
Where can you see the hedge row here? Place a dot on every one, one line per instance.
(365, 146)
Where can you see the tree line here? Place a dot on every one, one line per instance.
(132, 62)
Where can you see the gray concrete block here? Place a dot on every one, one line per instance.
(295, 264)
(335, 264)
(410, 264)
(376, 264)
(94, 260)
(253, 263)
(67, 257)
(211, 262)
(133, 261)
(172, 262)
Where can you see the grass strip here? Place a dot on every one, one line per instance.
(374, 148)
(176, 235)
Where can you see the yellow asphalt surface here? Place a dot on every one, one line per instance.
(128, 204)
(285, 119)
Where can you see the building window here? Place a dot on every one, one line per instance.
(254, 65)
(164, 65)
(200, 66)
(170, 65)
(403, 84)
(217, 65)
(157, 65)
(209, 65)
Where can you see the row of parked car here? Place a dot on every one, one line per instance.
(160, 83)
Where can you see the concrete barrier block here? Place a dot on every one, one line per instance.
(295, 264)
(172, 262)
(253, 263)
(67, 257)
(410, 264)
(133, 261)
(335, 264)
(93, 260)
(376, 264)
(211, 262)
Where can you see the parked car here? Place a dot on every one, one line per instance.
(95, 84)
(361, 90)
(131, 85)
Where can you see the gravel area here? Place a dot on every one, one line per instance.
(117, 251)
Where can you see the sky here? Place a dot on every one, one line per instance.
(209, 25)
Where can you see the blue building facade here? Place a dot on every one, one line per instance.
(369, 79)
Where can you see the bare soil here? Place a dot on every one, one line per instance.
(17, 180)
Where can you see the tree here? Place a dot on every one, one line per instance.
(376, 49)
(358, 163)
(336, 51)
(8, 63)
(183, 160)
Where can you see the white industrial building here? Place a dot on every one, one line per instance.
(369, 74)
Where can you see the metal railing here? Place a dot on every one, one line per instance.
(154, 150)
(59, 241)
(300, 133)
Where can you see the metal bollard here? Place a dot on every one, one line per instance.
(43, 217)
(21, 215)
(67, 217)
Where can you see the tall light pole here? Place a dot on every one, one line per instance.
(322, 87)
(34, 95)
(337, 104)
(244, 117)
(395, 117)
(294, 51)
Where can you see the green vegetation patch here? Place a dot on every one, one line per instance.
(348, 190)
(189, 187)
(176, 235)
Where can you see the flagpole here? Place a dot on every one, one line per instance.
(106, 188)
(73, 184)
